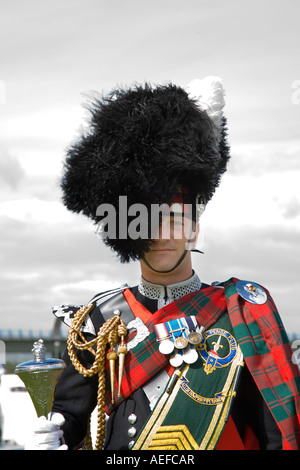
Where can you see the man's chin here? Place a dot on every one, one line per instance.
(160, 265)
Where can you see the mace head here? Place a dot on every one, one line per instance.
(40, 377)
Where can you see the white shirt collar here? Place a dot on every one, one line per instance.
(166, 294)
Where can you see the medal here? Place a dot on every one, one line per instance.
(179, 338)
(176, 359)
(177, 331)
(181, 342)
(166, 346)
(190, 355)
(194, 338)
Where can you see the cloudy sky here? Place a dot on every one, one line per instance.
(54, 53)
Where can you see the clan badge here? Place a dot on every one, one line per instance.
(218, 348)
(251, 292)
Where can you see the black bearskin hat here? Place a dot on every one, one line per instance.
(143, 143)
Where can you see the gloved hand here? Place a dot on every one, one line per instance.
(46, 433)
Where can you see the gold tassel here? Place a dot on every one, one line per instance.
(107, 334)
(112, 357)
(122, 350)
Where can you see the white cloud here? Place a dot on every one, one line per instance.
(55, 122)
(36, 211)
(261, 158)
(54, 52)
(70, 289)
(261, 188)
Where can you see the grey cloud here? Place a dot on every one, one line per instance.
(11, 171)
(269, 256)
(263, 253)
(291, 209)
(42, 265)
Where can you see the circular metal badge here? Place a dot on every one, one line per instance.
(190, 355)
(181, 342)
(251, 292)
(194, 338)
(166, 346)
(176, 360)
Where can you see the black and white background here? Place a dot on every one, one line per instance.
(53, 53)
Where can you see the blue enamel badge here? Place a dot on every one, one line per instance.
(222, 351)
(251, 292)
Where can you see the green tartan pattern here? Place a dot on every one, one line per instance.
(197, 400)
(144, 361)
(262, 339)
(268, 355)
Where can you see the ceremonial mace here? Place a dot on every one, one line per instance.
(40, 377)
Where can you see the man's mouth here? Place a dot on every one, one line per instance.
(162, 249)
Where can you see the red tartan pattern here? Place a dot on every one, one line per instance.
(268, 355)
(260, 334)
(147, 361)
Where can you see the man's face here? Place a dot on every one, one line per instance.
(173, 238)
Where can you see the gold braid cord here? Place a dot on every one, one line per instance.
(108, 334)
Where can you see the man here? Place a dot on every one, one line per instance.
(173, 362)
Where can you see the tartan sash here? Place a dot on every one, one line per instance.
(144, 361)
(259, 333)
(193, 414)
(268, 355)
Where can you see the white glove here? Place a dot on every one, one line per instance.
(46, 433)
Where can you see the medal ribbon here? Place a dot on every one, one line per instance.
(161, 331)
(191, 323)
(176, 328)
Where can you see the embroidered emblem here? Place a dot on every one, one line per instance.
(176, 437)
(216, 400)
(66, 313)
(218, 348)
(141, 332)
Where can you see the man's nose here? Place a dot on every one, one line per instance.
(165, 230)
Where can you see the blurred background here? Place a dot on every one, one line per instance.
(54, 54)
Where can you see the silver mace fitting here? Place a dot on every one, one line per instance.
(40, 377)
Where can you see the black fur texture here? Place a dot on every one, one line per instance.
(142, 143)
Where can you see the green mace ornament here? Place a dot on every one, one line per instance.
(40, 377)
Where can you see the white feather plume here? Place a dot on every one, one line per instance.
(209, 94)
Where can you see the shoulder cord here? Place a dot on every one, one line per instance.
(108, 334)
